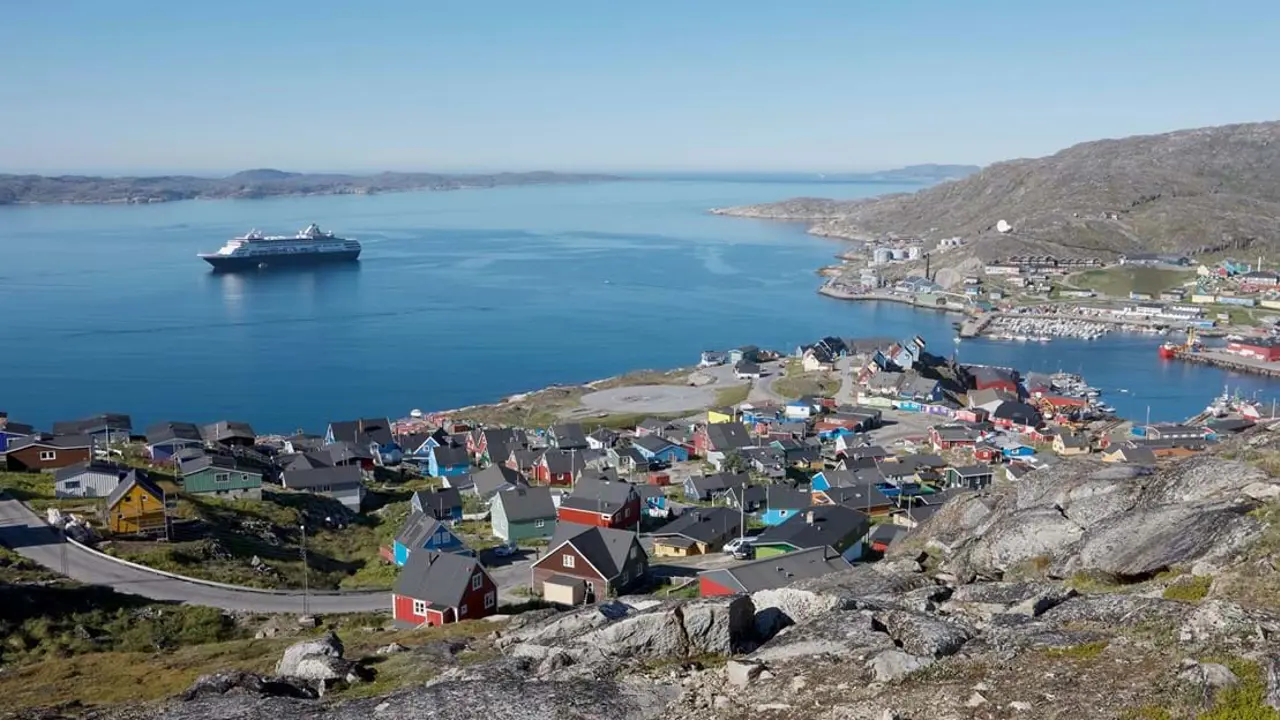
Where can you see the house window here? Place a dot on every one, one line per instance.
(222, 477)
(419, 607)
(476, 581)
(568, 561)
(488, 600)
(539, 523)
(71, 485)
(48, 454)
(462, 610)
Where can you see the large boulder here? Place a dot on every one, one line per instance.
(327, 646)
(325, 668)
(893, 664)
(248, 683)
(1148, 540)
(718, 627)
(921, 634)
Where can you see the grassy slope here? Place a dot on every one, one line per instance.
(1121, 280)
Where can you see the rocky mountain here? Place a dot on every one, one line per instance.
(1084, 590)
(1186, 191)
(258, 183)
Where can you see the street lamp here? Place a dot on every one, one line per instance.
(306, 600)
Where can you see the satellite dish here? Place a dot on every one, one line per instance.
(1003, 227)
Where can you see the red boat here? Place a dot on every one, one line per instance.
(1169, 351)
(1172, 350)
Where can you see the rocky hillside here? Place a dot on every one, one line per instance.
(1087, 591)
(1186, 191)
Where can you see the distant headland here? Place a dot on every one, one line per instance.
(263, 183)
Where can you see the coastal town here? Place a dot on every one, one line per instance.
(1216, 311)
(833, 452)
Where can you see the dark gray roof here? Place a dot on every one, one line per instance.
(225, 430)
(719, 482)
(778, 497)
(706, 525)
(413, 441)
(653, 425)
(972, 470)
(363, 431)
(728, 436)
(887, 533)
(95, 466)
(173, 430)
(496, 478)
(93, 424)
(416, 529)
(305, 460)
(450, 456)
(441, 579)
(602, 496)
(134, 477)
(654, 443)
(1017, 411)
(859, 496)
(200, 462)
(441, 500)
(58, 442)
(334, 477)
(568, 436)
(779, 570)
(1073, 441)
(560, 462)
(605, 475)
(343, 451)
(303, 441)
(836, 477)
(605, 548)
(752, 494)
(526, 457)
(868, 451)
(833, 525)
(923, 460)
(1138, 454)
(524, 504)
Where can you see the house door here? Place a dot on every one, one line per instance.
(591, 592)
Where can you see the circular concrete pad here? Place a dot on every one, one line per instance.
(651, 399)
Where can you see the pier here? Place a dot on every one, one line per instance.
(1232, 362)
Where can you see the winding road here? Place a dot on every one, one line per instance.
(27, 534)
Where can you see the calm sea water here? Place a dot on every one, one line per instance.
(459, 298)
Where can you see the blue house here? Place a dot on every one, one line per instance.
(441, 504)
(761, 414)
(372, 433)
(446, 461)
(166, 439)
(1017, 450)
(781, 503)
(423, 532)
(828, 479)
(654, 447)
(11, 432)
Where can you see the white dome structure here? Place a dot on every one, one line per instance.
(1003, 227)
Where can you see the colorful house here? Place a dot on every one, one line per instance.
(47, 452)
(447, 461)
(441, 504)
(660, 449)
(559, 467)
(220, 476)
(782, 504)
(136, 507)
(721, 415)
(372, 434)
(166, 439)
(697, 531)
(835, 526)
(11, 432)
(522, 514)
(771, 572)
(441, 588)
(423, 532)
(88, 480)
(587, 563)
(603, 503)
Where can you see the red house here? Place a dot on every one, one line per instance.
(987, 378)
(437, 588)
(559, 467)
(601, 503)
(1265, 349)
(946, 437)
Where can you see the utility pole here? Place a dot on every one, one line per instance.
(306, 599)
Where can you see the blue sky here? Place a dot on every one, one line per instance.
(656, 85)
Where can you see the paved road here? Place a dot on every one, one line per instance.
(24, 532)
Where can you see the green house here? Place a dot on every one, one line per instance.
(523, 514)
(220, 476)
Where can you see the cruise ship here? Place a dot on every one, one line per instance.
(311, 246)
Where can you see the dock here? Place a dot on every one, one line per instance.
(1232, 362)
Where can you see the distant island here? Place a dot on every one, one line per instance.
(929, 173)
(1193, 192)
(249, 184)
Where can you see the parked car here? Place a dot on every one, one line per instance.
(745, 551)
(733, 545)
(505, 550)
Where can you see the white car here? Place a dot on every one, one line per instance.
(736, 543)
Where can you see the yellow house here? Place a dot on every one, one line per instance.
(136, 506)
(1068, 444)
(697, 531)
(1203, 299)
(721, 415)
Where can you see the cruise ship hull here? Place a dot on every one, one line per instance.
(229, 263)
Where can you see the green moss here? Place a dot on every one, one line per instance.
(1149, 712)
(1084, 651)
(1244, 701)
(1192, 589)
(1085, 582)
